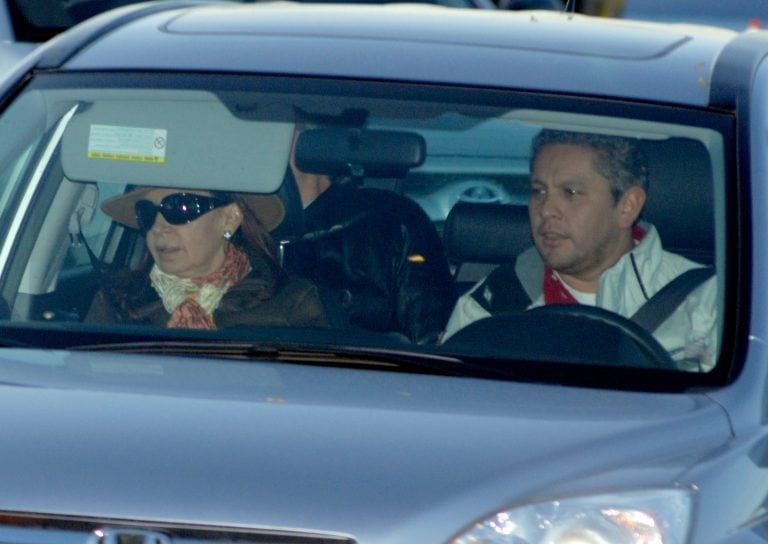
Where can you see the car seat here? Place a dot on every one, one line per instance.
(479, 236)
(680, 201)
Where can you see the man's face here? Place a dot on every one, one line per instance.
(577, 226)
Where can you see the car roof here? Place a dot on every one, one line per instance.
(534, 50)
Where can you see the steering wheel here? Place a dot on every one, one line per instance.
(576, 333)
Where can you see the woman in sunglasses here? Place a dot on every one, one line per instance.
(211, 264)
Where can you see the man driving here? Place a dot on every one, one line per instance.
(587, 194)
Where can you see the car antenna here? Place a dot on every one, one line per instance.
(569, 7)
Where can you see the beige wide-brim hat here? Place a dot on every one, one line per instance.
(268, 209)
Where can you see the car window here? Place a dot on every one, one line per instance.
(448, 171)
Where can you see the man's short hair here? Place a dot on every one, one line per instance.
(619, 159)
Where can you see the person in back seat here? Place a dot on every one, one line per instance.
(587, 193)
(378, 254)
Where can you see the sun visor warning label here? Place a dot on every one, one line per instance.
(127, 143)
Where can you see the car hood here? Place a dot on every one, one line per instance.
(361, 452)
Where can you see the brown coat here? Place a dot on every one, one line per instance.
(295, 303)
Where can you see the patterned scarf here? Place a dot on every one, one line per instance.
(555, 291)
(191, 302)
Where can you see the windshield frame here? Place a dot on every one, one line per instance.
(63, 336)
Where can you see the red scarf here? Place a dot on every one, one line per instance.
(189, 314)
(555, 291)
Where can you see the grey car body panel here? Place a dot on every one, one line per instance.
(115, 431)
(417, 51)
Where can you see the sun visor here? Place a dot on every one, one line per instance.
(185, 143)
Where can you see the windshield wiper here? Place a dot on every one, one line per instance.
(336, 356)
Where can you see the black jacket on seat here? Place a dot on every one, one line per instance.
(379, 257)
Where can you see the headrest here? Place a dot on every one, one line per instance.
(359, 152)
(486, 233)
(680, 200)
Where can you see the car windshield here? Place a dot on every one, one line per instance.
(378, 208)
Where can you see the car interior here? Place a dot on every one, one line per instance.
(93, 151)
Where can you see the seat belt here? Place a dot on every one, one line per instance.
(649, 316)
(661, 305)
(502, 291)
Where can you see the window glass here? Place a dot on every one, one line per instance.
(433, 191)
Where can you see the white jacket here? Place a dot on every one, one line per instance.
(690, 334)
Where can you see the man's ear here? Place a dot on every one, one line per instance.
(630, 205)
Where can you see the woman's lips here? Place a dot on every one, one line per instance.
(166, 250)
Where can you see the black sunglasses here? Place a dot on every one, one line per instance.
(176, 209)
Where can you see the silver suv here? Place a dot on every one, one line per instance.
(288, 273)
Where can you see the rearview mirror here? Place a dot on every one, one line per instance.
(359, 152)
